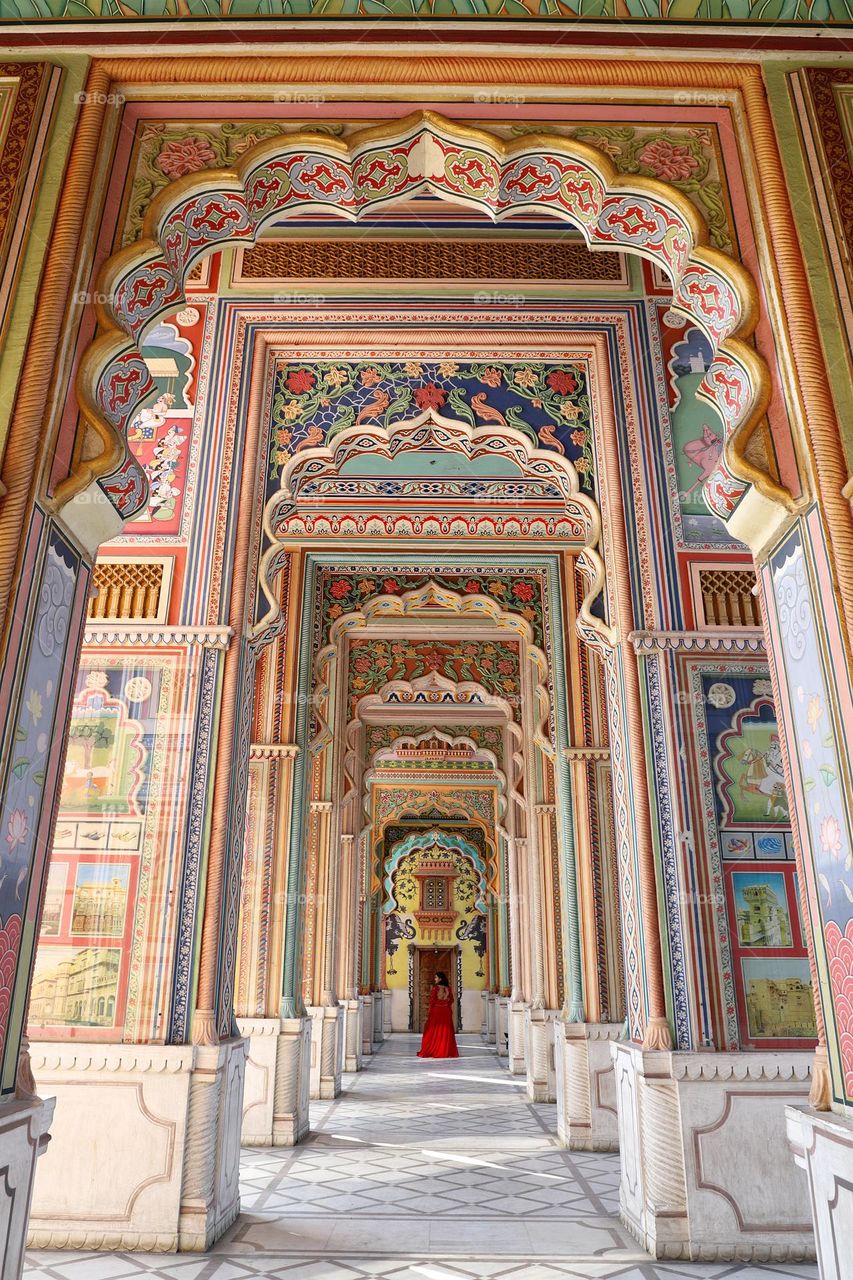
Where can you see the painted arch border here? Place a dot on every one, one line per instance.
(204, 212)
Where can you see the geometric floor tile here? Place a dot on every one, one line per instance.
(420, 1170)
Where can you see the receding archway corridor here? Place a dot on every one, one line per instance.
(420, 1170)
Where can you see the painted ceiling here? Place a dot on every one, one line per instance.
(710, 11)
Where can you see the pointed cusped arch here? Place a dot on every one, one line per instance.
(434, 838)
(422, 153)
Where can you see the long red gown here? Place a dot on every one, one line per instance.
(439, 1040)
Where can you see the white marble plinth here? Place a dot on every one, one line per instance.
(275, 1095)
(502, 1026)
(23, 1137)
(516, 1018)
(327, 1050)
(472, 1011)
(378, 1032)
(489, 1024)
(822, 1145)
(706, 1173)
(586, 1086)
(367, 1017)
(145, 1145)
(386, 1013)
(352, 1034)
(539, 1054)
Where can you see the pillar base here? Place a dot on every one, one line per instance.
(327, 1050)
(147, 1155)
(275, 1097)
(822, 1143)
(23, 1137)
(502, 1027)
(539, 1054)
(352, 1034)
(378, 1031)
(386, 1014)
(706, 1171)
(367, 1016)
(586, 1086)
(489, 1029)
(516, 1016)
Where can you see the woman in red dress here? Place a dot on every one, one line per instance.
(439, 1040)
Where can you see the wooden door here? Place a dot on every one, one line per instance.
(431, 961)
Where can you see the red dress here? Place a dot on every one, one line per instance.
(439, 1040)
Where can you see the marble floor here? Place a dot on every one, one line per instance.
(420, 1170)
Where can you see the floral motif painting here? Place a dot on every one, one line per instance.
(519, 593)
(547, 403)
(373, 663)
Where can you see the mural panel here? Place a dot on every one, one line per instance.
(108, 833)
(818, 706)
(548, 403)
(770, 968)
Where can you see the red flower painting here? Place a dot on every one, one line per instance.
(430, 396)
(839, 947)
(300, 381)
(340, 588)
(562, 381)
(10, 942)
(390, 586)
(523, 591)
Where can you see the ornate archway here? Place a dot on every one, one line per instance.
(204, 212)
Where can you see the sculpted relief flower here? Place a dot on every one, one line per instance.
(185, 155)
(668, 160)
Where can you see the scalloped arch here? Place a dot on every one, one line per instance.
(423, 152)
(431, 839)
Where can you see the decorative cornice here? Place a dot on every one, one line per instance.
(156, 634)
(586, 753)
(740, 640)
(701, 1068)
(48, 1057)
(273, 751)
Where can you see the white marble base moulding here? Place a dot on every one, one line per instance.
(378, 1016)
(489, 1011)
(386, 1014)
(275, 1096)
(145, 1145)
(706, 1173)
(586, 1085)
(822, 1145)
(327, 1050)
(502, 1027)
(23, 1137)
(352, 1034)
(516, 1018)
(367, 1024)
(539, 1054)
